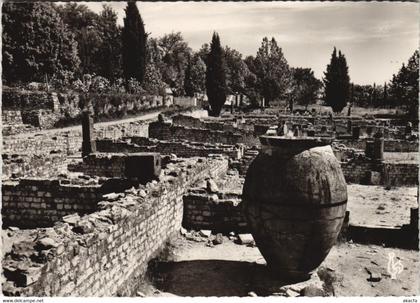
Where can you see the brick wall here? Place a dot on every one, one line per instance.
(389, 145)
(109, 253)
(33, 203)
(107, 165)
(216, 212)
(33, 165)
(395, 174)
(68, 141)
(181, 149)
(167, 131)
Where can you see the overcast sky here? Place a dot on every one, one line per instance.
(375, 37)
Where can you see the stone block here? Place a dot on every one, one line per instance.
(246, 238)
(143, 166)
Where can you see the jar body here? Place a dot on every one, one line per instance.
(295, 201)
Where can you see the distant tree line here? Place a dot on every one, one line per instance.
(66, 45)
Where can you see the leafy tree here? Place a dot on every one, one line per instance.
(195, 76)
(337, 82)
(110, 49)
(36, 42)
(204, 52)
(251, 86)
(272, 71)
(305, 86)
(98, 38)
(152, 82)
(198, 74)
(216, 76)
(175, 53)
(404, 87)
(133, 44)
(236, 71)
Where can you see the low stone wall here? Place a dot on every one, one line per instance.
(243, 164)
(181, 149)
(211, 124)
(368, 172)
(219, 212)
(69, 142)
(105, 253)
(33, 165)
(41, 118)
(390, 145)
(167, 131)
(11, 117)
(185, 101)
(32, 203)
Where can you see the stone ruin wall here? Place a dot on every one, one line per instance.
(109, 253)
(371, 173)
(27, 110)
(32, 203)
(167, 131)
(192, 129)
(42, 154)
(390, 145)
(181, 149)
(214, 212)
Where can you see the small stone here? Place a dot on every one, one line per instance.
(13, 228)
(71, 219)
(140, 294)
(218, 239)
(205, 233)
(212, 186)
(291, 293)
(142, 193)
(111, 196)
(214, 198)
(375, 277)
(47, 243)
(183, 231)
(252, 294)
(312, 291)
(173, 157)
(245, 238)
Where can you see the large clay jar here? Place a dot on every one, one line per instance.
(295, 198)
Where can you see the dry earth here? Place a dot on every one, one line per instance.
(231, 269)
(374, 205)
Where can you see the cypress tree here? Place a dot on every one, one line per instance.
(337, 82)
(188, 86)
(216, 77)
(133, 44)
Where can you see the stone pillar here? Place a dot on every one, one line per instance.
(349, 126)
(88, 144)
(378, 147)
(375, 148)
(355, 132)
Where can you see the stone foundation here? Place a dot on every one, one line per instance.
(218, 212)
(181, 149)
(106, 252)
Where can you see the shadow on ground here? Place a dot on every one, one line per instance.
(213, 278)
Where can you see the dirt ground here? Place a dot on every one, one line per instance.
(231, 269)
(374, 205)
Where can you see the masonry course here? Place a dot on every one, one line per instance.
(109, 250)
